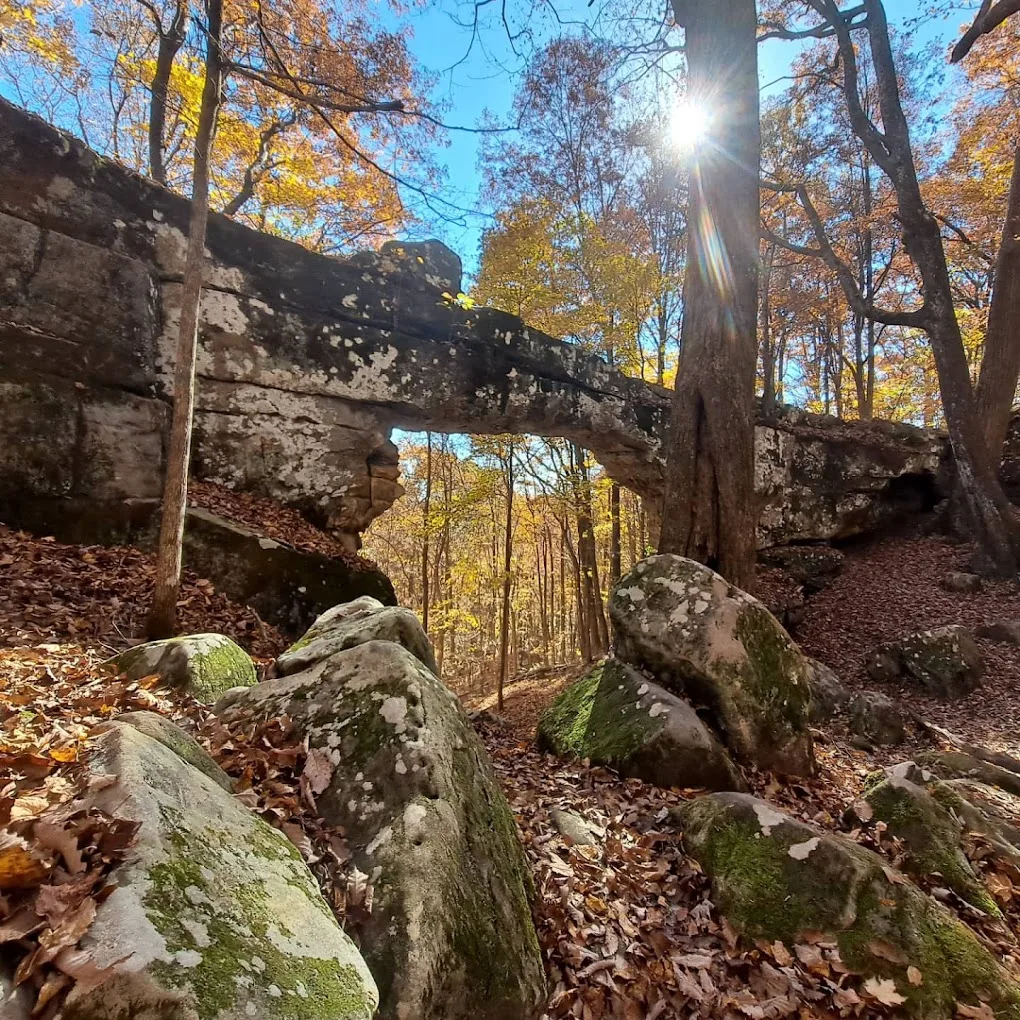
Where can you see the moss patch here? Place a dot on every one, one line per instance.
(841, 889)
(222, 951)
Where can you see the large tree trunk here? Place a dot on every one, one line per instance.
(508, 539)
(1000, 363)
(988, 513)
(163, 615)
(709, 507)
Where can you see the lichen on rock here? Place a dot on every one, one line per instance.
(354, 623)
(450, 936)
(204, 665)
(215, 916)
(769, 885)
(615, 716)
(714, 644)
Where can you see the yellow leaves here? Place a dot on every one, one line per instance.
(20, 865)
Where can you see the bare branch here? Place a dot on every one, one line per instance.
(988, 18)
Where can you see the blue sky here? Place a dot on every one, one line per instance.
(479, 77)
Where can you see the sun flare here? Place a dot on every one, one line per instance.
(689, 124)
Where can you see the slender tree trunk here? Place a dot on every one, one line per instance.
(988, 513)
(508, 538)
(162, 620)
(426, 507)
(168, 47)
(768, 357)
(709, 507)
(614, 542)
(1000, 363)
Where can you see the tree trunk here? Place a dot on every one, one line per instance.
(1000, 363)
(162, 620)
(988, 513)
(615, 564)
(768, 357)
(504, 623)
(167, 49)
(709, 507)
(426, 507)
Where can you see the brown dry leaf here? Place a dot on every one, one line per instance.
(886, 951)
(915, 977)
(980, 1012)
(61, 839)
(21, 866)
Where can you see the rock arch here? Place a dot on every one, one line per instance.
(307, 362)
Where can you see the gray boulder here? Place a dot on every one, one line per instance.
(15, 1003)
(450, 935)
(615, 716)
(828, 695)
(777, 878)
(203, 665)
(214, 916)
(354, 623)
(812, 566)
(184, 745)
(877, 719)
(945, 661)
(1006, 632)
(718, 646)
(961, 582)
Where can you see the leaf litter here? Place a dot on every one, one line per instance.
(626, 925)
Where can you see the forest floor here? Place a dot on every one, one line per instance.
(626, 923)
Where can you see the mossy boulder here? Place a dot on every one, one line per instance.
(215, 915)
(719, 647)
(933, 837)
(615, 716)
(877, 719)
(945, 661)
(184, 745)
(450, 936)
(777, 878)
(204, 665)
(354, 623)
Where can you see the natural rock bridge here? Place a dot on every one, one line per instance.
(307, 363)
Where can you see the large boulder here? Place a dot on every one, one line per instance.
(933, 837)
(877, 719)
(354, 623)
(203, 665)
(450, 935)
(214, 916)
(184, 745)
(715, 644)
(944, 661)
(777, 878)
(829, 695)
(617, 717)
(811, 566)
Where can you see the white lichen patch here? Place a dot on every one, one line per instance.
(768, 817)
(394, 711)
(801, 851)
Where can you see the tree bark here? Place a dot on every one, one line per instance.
(162, 620)
(1000, 363)
(168, 47)
(504, 623)
(709, 507)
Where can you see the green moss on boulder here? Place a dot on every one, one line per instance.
(450, 936)
(714, 644)
(215, 915)
(777, 878)
(615, 716)
(931, 835)
(204, 665)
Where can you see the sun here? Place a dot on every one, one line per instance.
(689, 124)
